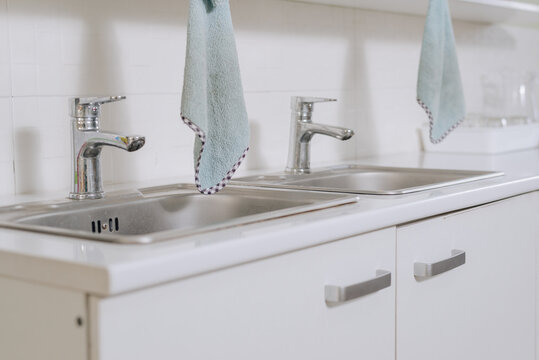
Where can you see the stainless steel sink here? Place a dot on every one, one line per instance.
(356, 179)
(161, 213)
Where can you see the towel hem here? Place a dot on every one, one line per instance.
(221, 184)
(431, 123)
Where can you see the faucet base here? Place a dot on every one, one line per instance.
(297, 171)
(86, 196)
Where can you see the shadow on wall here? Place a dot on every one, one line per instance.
(29, 170)
(255, 160)
(483, 36)
(387, 62)
(294, 49)
(93, 35)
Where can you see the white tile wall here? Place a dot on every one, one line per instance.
(7, 179)
(53, 49)
(6, 148)
(5, 76)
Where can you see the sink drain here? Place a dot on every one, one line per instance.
(111, 225)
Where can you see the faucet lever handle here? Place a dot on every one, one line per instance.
(310, 99)
(99, 100)
(90, 107)
(305, 103)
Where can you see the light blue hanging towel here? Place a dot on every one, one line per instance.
(212, 100)
(439, 87)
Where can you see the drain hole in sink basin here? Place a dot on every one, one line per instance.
(112, 225)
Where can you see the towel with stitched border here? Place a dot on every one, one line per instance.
(439, 87)
(213, 105)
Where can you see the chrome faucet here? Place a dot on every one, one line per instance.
(87, 140)
(302, 130)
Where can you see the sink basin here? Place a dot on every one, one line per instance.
(356, 179)
(160, 213)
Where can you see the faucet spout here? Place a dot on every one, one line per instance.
(310, 129)
(92, 147)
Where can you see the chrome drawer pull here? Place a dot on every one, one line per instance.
(422, 270)
(338, 294)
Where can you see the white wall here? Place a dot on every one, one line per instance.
(53, 49)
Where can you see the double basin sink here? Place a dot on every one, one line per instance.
(169, 212)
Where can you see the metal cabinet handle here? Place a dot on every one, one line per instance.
(423, 270)
(338, 295)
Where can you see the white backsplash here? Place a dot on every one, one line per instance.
(54, 49)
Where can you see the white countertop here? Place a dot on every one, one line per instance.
(106, 269)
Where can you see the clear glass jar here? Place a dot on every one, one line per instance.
(509, 98)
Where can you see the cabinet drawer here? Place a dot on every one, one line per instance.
(480, 305)
(269, 309)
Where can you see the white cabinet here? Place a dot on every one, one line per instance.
(40, 322)
(483, 309)
(269, 309)
(536, 236)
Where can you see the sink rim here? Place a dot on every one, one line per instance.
(334, 171)
(10, 220)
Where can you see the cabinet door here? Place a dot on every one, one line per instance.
(536, 237)
(38, 322)
(269, 309)
(483, 309)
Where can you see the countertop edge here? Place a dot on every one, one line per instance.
(255, 247)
